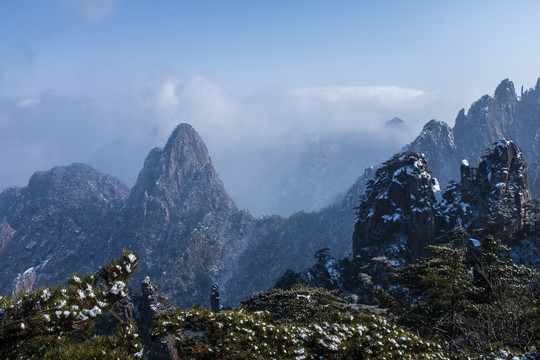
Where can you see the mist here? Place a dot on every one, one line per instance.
(277, 150)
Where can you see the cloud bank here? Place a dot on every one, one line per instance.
(257, 140)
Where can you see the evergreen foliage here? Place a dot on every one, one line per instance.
(58, 322)
(506, 311)
(474, 299)
(300, 305)
(441, 287)
(241, 334)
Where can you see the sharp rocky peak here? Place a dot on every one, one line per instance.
(435, 133)
(180, 218)
(398, 209)
(181, 174)
(185, 148)
(403, 209)
(502, 180)
(506, 92)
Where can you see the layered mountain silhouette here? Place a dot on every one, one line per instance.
(190, 234)
(502, 115)
(178, 217)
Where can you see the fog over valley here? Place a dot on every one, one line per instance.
(292, 105)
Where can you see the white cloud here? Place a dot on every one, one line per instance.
(166, 97)
(333, 94)
(93, 9)
(250, 137)
(28, 102)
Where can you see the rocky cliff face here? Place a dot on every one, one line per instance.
(399, 211)
(404, 210)
(60, 223)
(491, 117)
(436, 142)
(180, 219)
(499, 186)
(190, 234)
(503, 115)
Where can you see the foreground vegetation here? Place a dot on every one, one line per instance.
(472, 298)
(458, 303)
(59, 322)
(306, 323)
(301, 323)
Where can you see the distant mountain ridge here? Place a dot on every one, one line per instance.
(60, 223)
(178, 217)
(189, 232)
(503, 115)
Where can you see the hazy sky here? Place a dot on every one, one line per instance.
(103, 81)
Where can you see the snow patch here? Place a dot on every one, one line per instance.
(394, 217)
(475, 242)
(436, 188)
(131, 257)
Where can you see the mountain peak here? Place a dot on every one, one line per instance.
(506, 170)
(185, 148)
(180, 218)
(435, 135)
(505, 92)
(400, 198)
(75, 181)
(439, 131)
(181, 173)
(395, 121)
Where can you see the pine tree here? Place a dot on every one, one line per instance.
(506, 310)
(58, 322)
(440, 288)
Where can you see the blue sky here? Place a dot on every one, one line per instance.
(244, 44)
(81, 80)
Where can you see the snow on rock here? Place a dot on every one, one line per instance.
(475, 242)
(405, 201)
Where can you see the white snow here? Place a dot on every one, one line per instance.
(475, 242)
(46, 295)
(118, 287)
(81, 294)
(394, 217)
(465, 162)
(436, 188)
(95, 311)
